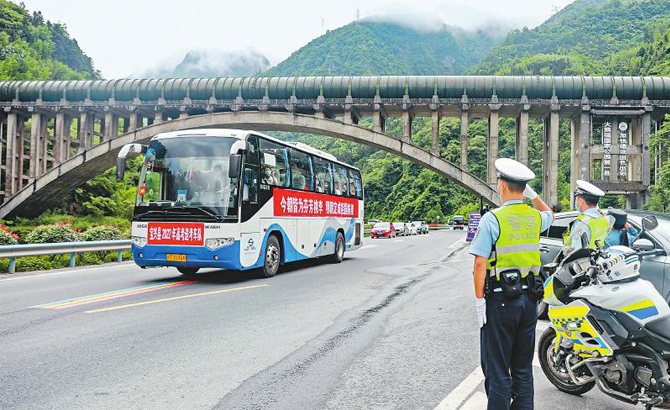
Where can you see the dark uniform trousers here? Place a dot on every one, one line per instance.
(507, 348)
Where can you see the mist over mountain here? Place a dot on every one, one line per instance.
(384, 46)
(211, 63)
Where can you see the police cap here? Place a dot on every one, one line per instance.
(513, 171)
(620, 217)
(589, 191)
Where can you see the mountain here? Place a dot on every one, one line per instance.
(377, 47)
(583, 38)
(32, 48)
(211, 63)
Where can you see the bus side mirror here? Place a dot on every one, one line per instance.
(134, 149)
(234, 166)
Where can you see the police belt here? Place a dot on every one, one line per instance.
(495, 284)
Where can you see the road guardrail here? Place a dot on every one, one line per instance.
(15, 251)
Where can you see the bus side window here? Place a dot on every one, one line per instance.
(250, 184)
(273, 162)
(341, 184)
(356, 184)
(323, 180)
(301, 170)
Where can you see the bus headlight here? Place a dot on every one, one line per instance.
(139, 241)
(216, 243)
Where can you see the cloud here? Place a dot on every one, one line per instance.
(209, 63)
(409, 17)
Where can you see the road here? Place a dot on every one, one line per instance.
(392, 327)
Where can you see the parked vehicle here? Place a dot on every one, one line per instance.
(383, 230)
(412, 229)
(611, 328)
(422, 226)
(458, 222)
(401, 228)
(654, 268)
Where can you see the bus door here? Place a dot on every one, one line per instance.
(250, 238)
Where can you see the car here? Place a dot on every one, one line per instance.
(422, 226)
(655, 269)
(412, 229)
(458, 222)
(383, 230)
(401, 228)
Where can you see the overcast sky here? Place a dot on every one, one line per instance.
(128, 36)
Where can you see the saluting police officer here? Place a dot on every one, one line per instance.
(592, 221)
(507, 262)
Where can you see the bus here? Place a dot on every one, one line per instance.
(240, 200)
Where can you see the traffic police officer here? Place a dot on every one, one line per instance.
(507, 260)
(592, 221)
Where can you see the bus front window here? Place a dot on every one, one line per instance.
(189, 172)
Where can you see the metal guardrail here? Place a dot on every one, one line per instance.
(15, 251)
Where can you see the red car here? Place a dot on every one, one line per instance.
(383, 230)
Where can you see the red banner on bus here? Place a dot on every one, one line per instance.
(175, 234)
(298, 203)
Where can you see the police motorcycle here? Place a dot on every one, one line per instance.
(609, 328)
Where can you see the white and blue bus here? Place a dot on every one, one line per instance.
(231, 199)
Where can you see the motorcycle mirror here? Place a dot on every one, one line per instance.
(649, 223)
(585, 240)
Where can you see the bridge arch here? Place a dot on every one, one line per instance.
(44, 192)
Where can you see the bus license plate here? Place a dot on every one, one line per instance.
(172, 257)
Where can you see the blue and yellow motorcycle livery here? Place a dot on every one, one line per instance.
(609, 328)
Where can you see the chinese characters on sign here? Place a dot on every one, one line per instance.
(473, 224)
(623, 147)
(607, 150)
(295, 203)
(175, 234)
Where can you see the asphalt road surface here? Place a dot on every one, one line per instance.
(392, 327)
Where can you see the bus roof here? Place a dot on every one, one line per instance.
(243, 134)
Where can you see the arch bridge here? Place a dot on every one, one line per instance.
(77, 127)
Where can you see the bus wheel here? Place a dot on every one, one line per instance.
(186, 271)
(339, 249)
(272, 257)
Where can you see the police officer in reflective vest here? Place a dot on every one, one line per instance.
(507, 288)
(592, 221)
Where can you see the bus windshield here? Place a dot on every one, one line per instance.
(189, 172)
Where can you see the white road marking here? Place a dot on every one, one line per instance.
(398, 240)
(478, 401)
(41, 275)
(458, 242)
(366, 247)
(462, 391)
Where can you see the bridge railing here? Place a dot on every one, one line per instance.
(15, 251)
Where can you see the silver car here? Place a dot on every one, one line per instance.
(655, 269)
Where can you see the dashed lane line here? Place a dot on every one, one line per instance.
(366, 247)
(462, 391)
(478, 401)
(192, 295)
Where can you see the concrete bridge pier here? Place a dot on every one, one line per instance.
(521, 148)
(492, 146)
(550, 160)
(465, 126)
(435, 116)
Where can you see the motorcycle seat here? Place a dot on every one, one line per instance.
(660, 326)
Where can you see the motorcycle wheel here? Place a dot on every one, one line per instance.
(559, 377)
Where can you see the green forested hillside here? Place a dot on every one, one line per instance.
(34, 49)
(378, 48)
(584, 38)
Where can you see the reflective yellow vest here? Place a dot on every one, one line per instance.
(518, 245)
(599, 227)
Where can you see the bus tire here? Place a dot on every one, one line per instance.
(272, 258)
(338, 255)
(187, 271)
